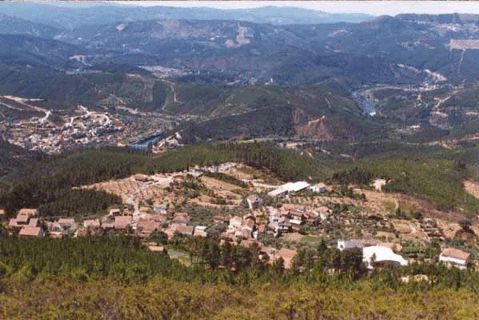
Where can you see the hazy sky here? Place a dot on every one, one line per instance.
(370, 7)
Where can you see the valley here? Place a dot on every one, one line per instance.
(259, 163)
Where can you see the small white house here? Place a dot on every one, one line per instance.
(378, 184)
(115, 212)
(254, 202)
(455, 257)
(200, 231)
(236, 222)
(296, 222)
(349, 244)
(318, 188)
(160, 210)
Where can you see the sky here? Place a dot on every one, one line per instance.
(369, 7)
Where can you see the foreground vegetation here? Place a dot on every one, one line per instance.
(117, 278)
(167, 299)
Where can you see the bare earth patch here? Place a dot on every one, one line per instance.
(401, 226)
(217, 185)
(472, 188)
(293, 237)
(449, 229)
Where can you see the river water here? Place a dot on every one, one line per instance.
(145, 143)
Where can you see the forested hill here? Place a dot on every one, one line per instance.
(16, 162)
(439, 180)
(50, 187)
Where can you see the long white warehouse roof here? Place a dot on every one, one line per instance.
(289, 187)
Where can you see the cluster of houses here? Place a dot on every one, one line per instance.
(28, 225)
(292, 218)
(243, 230)
(147, 223)
(89, 127)
(287, 218)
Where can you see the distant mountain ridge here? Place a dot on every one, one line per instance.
(459, 18)
(73, 17)
(367, 52)
(394, 50)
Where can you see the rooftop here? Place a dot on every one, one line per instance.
(13, 223)
(121, 222)
(349, 244)
(147, 225)
(92, 223)
(155, 248)
(33, 222)
(181, 218)
(288, 187)
(66, 221)
(187, 230)
(455, 253)
(28, 231)
(22, 218)
(28, 212)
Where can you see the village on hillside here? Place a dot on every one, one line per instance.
(33, 125)
(245, 206)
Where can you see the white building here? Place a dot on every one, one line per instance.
(289, 187)
(349, 244)
(455, 257)
(200, 231)
(254, 202)
(318, 188)
(381, 254)
(236, 222)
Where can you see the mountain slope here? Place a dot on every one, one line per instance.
(14, 25)
(27, 50)
(62, 90)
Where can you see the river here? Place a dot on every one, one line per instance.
(145, 143)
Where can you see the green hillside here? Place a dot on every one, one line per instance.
(436, 180)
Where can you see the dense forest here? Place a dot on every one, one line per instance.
(126, 259)
(118, 278)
